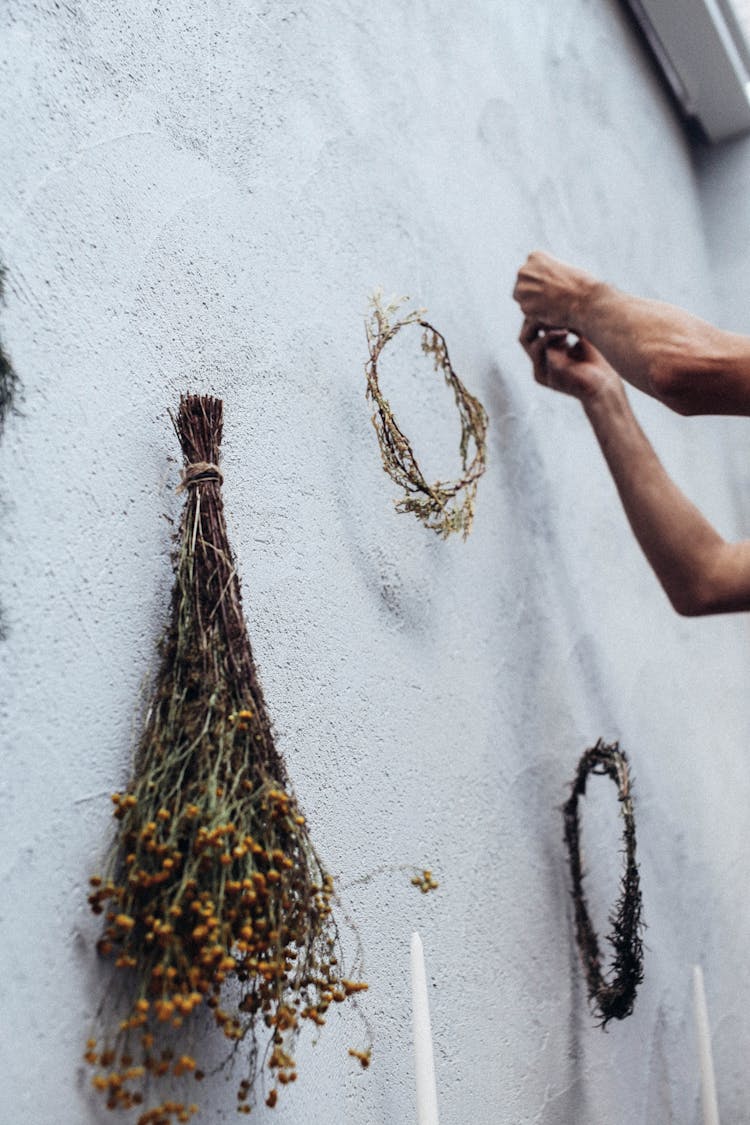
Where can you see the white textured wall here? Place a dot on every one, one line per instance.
(723, 175)
(200, 196)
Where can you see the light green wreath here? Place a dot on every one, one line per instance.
(445, 506)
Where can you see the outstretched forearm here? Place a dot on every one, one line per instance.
(688, 364)
(700, 572)
(677, 358)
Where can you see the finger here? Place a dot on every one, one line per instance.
(555, 355)
(524, 297)
(549, 356)
(557, 365)
(551, 371)
(541, 370)
(538, 354)
(530, 331)
(525, 336)
(533, 347)
(533, 344)
(525, 287)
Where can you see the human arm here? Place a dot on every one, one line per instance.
(700, 572)
(684, 362)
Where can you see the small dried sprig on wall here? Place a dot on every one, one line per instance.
(611, 998)
(444, 506)
(426, 881)
(212, 880)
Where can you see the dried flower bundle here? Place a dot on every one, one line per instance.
(614, 998)
(212, 880)
(444, 507)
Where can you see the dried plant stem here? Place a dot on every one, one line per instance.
(445, 507)
(212, 879)
(614, 998)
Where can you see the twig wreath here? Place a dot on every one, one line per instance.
(445, 506)
(613, 998)
(216, 904)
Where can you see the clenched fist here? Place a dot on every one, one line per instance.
(551, 292)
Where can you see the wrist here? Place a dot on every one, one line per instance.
(603, 397)
(589, 297)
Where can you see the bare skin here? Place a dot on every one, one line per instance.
(700, 572)
(677, 358)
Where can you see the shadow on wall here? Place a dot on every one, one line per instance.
(398, 562)
(660, 1111)
(541, 560)
(9, 388)
(561, 691)
(569, 1105)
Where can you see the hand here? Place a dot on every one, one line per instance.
(576, 368)
(552, 292)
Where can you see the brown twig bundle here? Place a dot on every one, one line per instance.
(212, 878)
(444, 507)
(614, 998)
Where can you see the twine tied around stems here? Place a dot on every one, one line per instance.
(611, 998)
(199, 472)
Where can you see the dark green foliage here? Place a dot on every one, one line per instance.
(613, 998)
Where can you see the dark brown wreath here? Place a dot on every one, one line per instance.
(439, 506)
(613, 998)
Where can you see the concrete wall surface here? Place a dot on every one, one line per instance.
(200, 196)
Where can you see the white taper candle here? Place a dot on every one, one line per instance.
(424, 1061)
(708, 1082)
